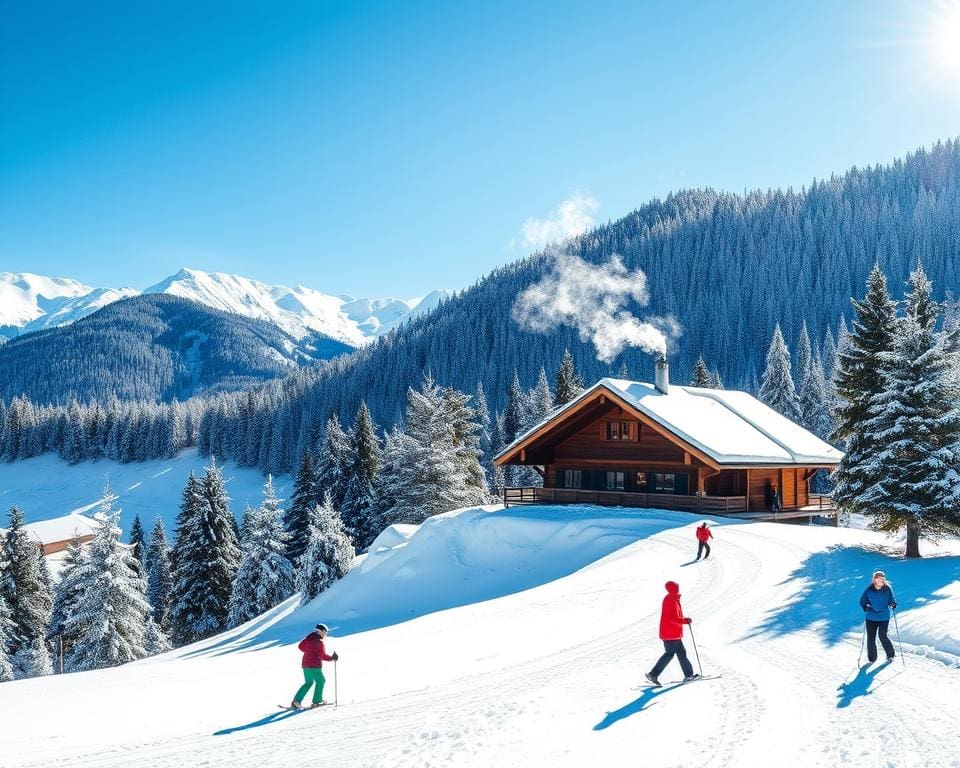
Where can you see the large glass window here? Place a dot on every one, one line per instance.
(618, 430)
(569, 478)
(615, 481)
(664, 482)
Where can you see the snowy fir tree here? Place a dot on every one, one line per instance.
(27, 595)
(139, 542)
(159, 577)
(539, 402)
(6, 631)
(701, 374)
(567, 383)
(815, 413)
(206, 556)
(715, 381)
(513, 417)
(329, 553)
(804, 353)
(332, 465)
(67, 592)
(497, 444)
(777, 388)
(363, 463)
(916, 426)
(111, 612)
(482, 417)
(265, 575)
(859, 379)
(32, 660)
(296, 521)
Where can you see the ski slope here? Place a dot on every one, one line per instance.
(519, 637)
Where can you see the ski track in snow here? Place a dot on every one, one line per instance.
(579, 705)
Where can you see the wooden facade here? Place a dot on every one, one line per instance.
(604, 448)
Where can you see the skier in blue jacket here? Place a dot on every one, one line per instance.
(876, 601)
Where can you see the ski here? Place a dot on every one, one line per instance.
(679, 682)
(307, 708)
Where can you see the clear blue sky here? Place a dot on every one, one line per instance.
(390, 148)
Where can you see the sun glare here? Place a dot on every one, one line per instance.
(946, 39)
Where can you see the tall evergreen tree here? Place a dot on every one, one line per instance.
(206, 557)
(159, 576)
(296, 522)
(6, 630)
(139, 542)
(329, 554)
(917, 425)
(815, 413)
(804, 353)
(66, 594)
(111, 612)
(539, 401)
(513, 415)
(359, 504)
(332, 467)
(701, 374)
(29, 598)
(265, 575)
(860, 378)
(567, 382)
(777, 388)
(497, 444)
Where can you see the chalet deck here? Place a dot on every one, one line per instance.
(626, 443)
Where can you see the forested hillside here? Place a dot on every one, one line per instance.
(150, 349)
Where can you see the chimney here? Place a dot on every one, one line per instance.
(662, 380)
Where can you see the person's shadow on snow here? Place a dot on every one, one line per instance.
(860, 685)
(637, 705)
(274, 717)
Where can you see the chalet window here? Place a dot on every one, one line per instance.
(618, 430)
(569, 478)
(670, 482)
(615, 481)
(640, 482)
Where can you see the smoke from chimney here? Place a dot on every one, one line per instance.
(592, 299)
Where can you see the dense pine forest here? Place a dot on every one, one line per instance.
(728, 267)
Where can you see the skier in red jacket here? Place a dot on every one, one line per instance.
(314, 654)
(704, 534)
(671, 632)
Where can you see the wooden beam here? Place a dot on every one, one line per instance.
(686, 458)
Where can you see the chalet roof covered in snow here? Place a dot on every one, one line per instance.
(728, 426)
(61, 528)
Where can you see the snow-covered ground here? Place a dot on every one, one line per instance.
(46, 487)
(520, 637)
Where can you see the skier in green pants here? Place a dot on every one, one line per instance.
(314, 654)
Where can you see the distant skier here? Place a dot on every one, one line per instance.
(671, 632)
(876, 601)
(314, 654)
(704, 534)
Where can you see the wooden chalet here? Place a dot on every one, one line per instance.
(709, 451)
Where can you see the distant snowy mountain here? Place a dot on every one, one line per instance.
(31, 302)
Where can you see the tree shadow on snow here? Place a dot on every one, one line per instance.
(829, 585)
(485, 556)
(642, 702)
(275, 717)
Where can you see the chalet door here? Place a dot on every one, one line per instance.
(789, 488)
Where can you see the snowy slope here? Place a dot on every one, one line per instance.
(46, 487)
(519, 638)
(32, 302)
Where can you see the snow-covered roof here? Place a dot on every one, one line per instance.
(729, 426)
(61, 528)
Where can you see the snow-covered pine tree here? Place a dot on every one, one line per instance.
(66, 593)
(462, 419)
(567, 382)
(111, 612)
(329, 553)
(539, 401)
(265, 575)
(6, 629)
(296, 521)
(701, 375)
(777, 388)
(205, 559)
(916, 426)
(804, 353)
(513, 415)
(482, 418)
(859, 378)
(32, 660)
(497, 444)
(815, 412)
(333, 462)
(159, 577)
(715, 381)
(139, 542)
(363, 465)
(28, 597)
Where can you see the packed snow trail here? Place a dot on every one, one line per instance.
(546, 675)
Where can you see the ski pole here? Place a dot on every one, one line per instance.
(696, 652)
(336, 698)
(896, 626)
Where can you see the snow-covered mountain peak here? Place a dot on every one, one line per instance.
(24, 294)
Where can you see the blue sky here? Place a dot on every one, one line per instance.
(390, 148)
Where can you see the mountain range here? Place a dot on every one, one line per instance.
(30, 302)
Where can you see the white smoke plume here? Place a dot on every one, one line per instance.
(592, 299)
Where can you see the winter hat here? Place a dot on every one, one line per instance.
(323, 627)
(672, 587)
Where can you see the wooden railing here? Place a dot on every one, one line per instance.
(718, 505)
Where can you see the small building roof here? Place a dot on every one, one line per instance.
(730, 427)
(61, 528)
